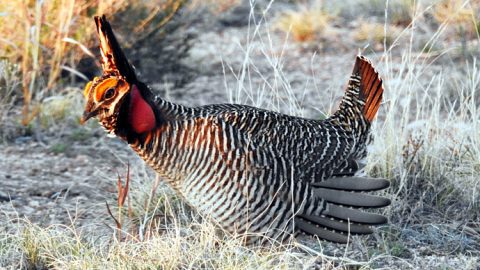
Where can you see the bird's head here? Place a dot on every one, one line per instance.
(105, 96)
(120, 102)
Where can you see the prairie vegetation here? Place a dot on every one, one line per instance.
(289, 56)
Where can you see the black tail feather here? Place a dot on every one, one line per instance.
(354, 183)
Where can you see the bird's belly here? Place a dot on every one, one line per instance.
(239, 204)
(218, 198)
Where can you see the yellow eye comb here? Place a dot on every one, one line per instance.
(86, 91)
(104, 86)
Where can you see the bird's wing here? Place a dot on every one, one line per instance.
(269, 140)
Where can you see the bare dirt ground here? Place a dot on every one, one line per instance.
(69, 175)
(45, 186)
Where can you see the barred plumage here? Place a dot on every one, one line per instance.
(252, 171)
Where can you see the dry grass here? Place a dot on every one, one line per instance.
(157, 230)
(49, 38)
(401, 11)
(305, 24)
(61, 247)
(427, 141)
(461, 15)
(429, 144)
(461, 19)
(215, 6)
(9, 86)
(376, 34)
(36, 32)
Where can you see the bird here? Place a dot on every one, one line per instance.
(255, 173)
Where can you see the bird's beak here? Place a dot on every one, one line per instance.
(88, 113)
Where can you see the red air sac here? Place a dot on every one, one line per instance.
(141, 116)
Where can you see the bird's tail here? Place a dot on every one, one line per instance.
(344, 195)
(341, 210)
(362, 98)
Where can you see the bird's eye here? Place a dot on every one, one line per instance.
(109, 93)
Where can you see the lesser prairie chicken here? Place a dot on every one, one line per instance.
(252, 171)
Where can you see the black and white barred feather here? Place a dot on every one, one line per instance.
(265, 173)
(258, 172)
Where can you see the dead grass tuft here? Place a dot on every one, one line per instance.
(460, 18)
(305, 24)
(458, 13)
(376, 35)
